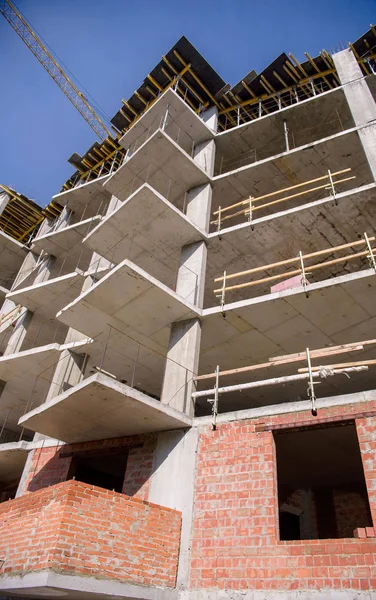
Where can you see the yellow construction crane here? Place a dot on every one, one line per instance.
(27, 35)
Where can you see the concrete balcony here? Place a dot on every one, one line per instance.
(65, 240)
(13, 457)
(145, 222)
(46, 553)
(99, 408)
(170, 107)
(128, 298)
(12, 255)
(162, 163)
(88, 197)
(48, 297)
(27, 376)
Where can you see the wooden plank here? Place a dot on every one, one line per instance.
(290, 261)
(276, 363)
(341, 365)
(288, 189)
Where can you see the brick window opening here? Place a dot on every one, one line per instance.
(104, 469)
(321, 487)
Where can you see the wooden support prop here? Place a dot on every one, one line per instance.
(288, 189)
(279, 200)
(296, 271)
(290, 261)
(274, 381)
(332, 349)
(288, 359)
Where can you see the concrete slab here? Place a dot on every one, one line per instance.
(87, 197)
(13, 457)
(63, 241)
(180, 115)
(48, 584)
(127, 296)
(100, 408)
(48, 297)
(30, 363)
(12, 254)
(146, 221)
(163, 164)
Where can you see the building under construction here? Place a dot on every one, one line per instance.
(188, 345)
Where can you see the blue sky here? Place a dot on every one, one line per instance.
(110, 47)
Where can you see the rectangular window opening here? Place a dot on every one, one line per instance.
(322, 491)
(103, 469)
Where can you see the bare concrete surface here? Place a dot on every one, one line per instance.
(178, 111)
(163, 164)
(146, 221)
(13, 457)
(87, 197)
(49, 296)
(100, 407)
(63, 241)
(51, 585)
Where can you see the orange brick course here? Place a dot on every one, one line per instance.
(80, 529)
(235, 543)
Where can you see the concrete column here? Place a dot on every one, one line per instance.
(360, 101)
(185, 336)
(69, 369)
(18, 335)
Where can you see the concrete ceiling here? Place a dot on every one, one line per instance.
(48, 297)
(86, 199)
(100, 408)
(163, 164)
(63, 241)
(146, 228)
(180, 116)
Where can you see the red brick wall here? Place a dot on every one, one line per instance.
(51, 465)
(75, 528)
(235, 541)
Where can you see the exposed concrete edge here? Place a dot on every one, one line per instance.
(46, 348)
(16, 446)
(48, 282)
(61, 196)
(293, 151)
(146, 276)
(311, 287)
(287, 407)
(164, 200)
(290, 211)
(325, 594)
(122, 388)
(139, 150)
(62, 230)
(48, 579)
(160, 99)
(15, 243)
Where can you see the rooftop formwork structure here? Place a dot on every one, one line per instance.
(189, 346)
